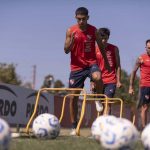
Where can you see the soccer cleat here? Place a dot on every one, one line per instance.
(73, 132)
(99, 106)
(15, 135)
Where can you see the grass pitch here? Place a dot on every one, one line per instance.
(63, 142)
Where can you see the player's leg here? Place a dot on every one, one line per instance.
(109, 91)
(144, 109)
(73, 106)
(76, 80)
(98, 84)
(145, 99)
(96, 78)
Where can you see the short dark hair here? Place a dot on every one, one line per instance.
(81, 11)
(147, 41)
(104, 31)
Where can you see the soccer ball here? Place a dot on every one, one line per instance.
(5, 134)
(95, 130)
(118, 134)
(99, 124)
(145, 137)
(130, 130)
(46, 126)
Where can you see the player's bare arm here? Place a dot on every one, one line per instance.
(118, 67)
(133, 74)
(68, 42)
(102, 49)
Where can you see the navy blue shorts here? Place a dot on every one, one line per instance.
(77, 78)
(144, 96)
(109, 89)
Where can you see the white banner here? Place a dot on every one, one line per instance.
(17, 103)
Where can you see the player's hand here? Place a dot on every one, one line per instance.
(131, 91)
(69, 41)
(92, 86)
(118, 84)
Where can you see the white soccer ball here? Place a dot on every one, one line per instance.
(46, 126)
(99, 124)
(145, 137)
(95, 130)
(130, 131)
(108, 136)
(5, 134)
(118, 134)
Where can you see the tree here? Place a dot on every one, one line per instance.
(58, 84)
(48, 80)
(8, 74)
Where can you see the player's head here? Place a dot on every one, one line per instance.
(148, 46)
(104, 34)
(81, 14)
(81, 11)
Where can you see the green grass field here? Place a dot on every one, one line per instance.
(63, 142)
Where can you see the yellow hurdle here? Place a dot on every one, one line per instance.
(133, 119)
(83, 110)
(113, 100)
(93, 97)
(107, 101)
(83, 107)
(50, 89)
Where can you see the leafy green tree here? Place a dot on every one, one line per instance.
(58, 84)
(8, 74)
(48, 81)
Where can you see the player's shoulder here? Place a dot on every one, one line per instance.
(73, 27)
(142, 57)
(143, 54)
(112, 46)
(92, 27)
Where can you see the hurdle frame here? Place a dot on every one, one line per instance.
(82, 108)
(52, 89)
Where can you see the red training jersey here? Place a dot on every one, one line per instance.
(144, 70)
(107, 77)
(83, 50)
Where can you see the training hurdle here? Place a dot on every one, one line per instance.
(82, 109)
(107, 101)
(53, 89)
(133, 119)
(114, 100)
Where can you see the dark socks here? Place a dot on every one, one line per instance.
(74, 125)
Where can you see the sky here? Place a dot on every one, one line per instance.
(32, 32)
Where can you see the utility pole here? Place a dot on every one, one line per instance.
(34, 77)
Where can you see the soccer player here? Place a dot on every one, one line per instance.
(111, 80)
(80, 42)
(142, 62)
